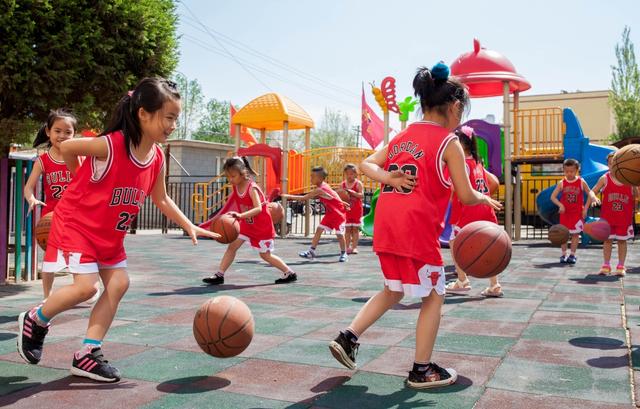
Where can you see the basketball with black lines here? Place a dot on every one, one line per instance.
(42, 230)
(482, 249)
(223, 326)
(625, 165)
(227, 227)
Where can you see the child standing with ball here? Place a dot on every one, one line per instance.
(122, 167)
(618, 207)
(335, 216)
(355, 189)
(571, 206)
(486, 183)
(412, 203)
(256, 225)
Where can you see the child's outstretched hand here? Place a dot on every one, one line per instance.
(561, 208)
(195, 231)
(235, 215)
(495, 205)
(346, 205)
(33, 203)
(400, 180)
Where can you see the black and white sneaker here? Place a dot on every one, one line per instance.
(310, 254)
(92, 366)
(291, 277)
(433, 377)
(31, 338)
(344, 351)
(214, 280)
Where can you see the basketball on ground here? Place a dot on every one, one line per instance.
(227, 227)
(558, 234)
(223, 326)
(598, 230)
(482, 249)
(277, 211)
(42, 230)
(625, 165)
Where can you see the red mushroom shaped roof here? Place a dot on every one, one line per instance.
(484, 71)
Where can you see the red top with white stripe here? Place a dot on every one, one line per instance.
(334, 206)
(572, 196)
(617, 203)
(97, 209)
(259, 227)
(55, 179)
(409, 223)
(354, 202)
(462, 215)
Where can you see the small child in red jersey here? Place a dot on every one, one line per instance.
(408, 223)
(60, 126)
(335, 216)
(355, 189)
(256, 225)
(571, 208)
(486, 183)
(618, 207)
(123, 166)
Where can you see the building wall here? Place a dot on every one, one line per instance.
(199, 158)
(592, 109)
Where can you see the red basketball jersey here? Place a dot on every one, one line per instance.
(479, 182)
(409, 223)
(333, 206)
(354, 202)
(55, 179)
(259, 227)
(97, 209)
(572, 196)
(618, 203)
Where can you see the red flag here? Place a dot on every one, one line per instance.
(245, 134)
(372, 125)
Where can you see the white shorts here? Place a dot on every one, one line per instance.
(261, 246)
(454, 232)
(56, 260)
(353, 224)
(340, 230)
(410, 276)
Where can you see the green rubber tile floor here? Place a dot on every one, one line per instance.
(558, 339)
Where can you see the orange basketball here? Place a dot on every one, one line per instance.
(223, 326)
(227, 227)
(344, 195)
(558, 234)
(598, 230)
(482, 249)
(625, 165)
(277, 211)
(42, 230)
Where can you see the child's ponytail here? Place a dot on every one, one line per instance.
(42, 137)
(468, 140)
(436, 89)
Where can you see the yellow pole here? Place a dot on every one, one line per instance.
(285, 175)
(386, 127)
(238, 130)
(307, 207)
(508, 200)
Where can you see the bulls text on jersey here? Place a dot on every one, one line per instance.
(127, 196)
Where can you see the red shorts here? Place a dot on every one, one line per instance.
(354, 216)
(333, 222)
(621, 232)
(410, 276)
(78, 263)
(572, 221)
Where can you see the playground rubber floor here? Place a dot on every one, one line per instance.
(562, 337)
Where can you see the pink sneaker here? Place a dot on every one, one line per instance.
(605, 269)
(620, 270)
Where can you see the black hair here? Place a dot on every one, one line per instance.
(468, 144)
(54, 115)
(320, 170)
(437, 90)
(150, 93)
(571, 162)
(240, 165)
(350, 166)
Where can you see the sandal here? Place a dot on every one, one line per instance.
(459, 286)
(354, 251)
(493, 292)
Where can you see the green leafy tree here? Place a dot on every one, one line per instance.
(214, 125)
(335, 130)
(78, 54)
(625, 90)
(193, 108)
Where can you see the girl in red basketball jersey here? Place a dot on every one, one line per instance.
(256, 225)
(571, 209)
(408, 223)
(123, 166)
(485, 183)
(618, 206)
(60, 126)
(335, 216)
(355, 189)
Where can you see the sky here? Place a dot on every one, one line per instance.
(319, 53)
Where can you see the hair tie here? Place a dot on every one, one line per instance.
(440, 71)
(130, 94)
(467, 130)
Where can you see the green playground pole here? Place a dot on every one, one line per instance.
(17, 195)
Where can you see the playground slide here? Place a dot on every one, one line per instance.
(367, 221)
(592, 158)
